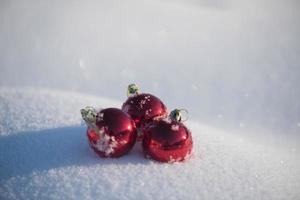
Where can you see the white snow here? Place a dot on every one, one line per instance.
(234, 65)
(45, 155)
(107, 143)
(175, 127)
(23, 112)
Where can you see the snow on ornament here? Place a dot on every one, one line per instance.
(110, 132)
(168, 139)
(143, 107)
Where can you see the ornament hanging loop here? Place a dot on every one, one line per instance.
(132, 90)
(180, 115)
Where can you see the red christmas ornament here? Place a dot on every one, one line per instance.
(111, 132)
(168, 139)
(143, 108)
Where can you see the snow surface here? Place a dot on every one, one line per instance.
(45, 155)
(231, 63)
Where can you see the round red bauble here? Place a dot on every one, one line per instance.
(143, 108)
(111, 132)
(167, 140)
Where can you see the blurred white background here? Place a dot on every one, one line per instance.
(233, 64)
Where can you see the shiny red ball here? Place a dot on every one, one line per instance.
(115, 133)
(167, 140)
(143, 108)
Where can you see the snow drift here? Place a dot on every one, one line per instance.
(45, 155)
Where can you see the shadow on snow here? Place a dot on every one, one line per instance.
(27, 152)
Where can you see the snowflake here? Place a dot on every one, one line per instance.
(175, 127)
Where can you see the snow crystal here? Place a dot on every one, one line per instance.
(173, 160)
(175, 127)
(179, 159)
